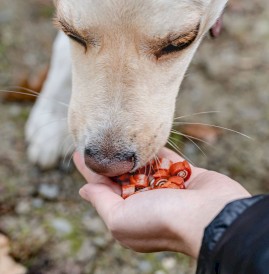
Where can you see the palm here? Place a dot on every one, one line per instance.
(163, 219)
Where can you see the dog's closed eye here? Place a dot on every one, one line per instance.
(178, 44)
(77, 39)
(71, 32)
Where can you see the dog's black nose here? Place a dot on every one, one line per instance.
(109, 164)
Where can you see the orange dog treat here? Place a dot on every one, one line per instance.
(176, 180)
(188, 169)
(125, 178)
(159, 174)
(181, 169)
(170, 185)
(127, 191)
(143, 189)
(159, 182)
(162, 163)
(176, 168)
(162, 173)
(139, 180)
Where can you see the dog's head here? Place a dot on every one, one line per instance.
(129, 58)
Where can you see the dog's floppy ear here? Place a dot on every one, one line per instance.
(217, 27)
(213, 21)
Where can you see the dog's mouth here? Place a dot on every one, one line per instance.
(135, 166)
(110, 170)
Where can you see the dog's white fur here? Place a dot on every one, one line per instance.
(122, 95)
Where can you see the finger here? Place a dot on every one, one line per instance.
(92, 177)
(80, 164)
(103, 198)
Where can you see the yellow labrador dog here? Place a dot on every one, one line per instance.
(127, 59)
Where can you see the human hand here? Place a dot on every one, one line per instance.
(161, 219)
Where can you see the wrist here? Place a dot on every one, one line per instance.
(189, 214)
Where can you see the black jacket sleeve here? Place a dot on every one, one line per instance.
(237, 240)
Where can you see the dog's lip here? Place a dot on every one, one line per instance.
(133, 170)
(113, 174)
(136, 164)
(113, 170)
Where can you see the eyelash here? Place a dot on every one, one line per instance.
(77, 39)
(172, 48)
(176, 45)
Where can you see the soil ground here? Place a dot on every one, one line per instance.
(51, 229)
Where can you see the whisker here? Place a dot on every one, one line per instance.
(171, 143)
(155, 159)
(150, 166)
(192, 137)
(197, 113)
(40, 95)
(214, 126)
(146, 169)
(68, 153)
(171, 138)
(71, 157)
(67, 150)
(18, 92)
(26, 89)
(158, 160)
(75, 148)
(34, 95)
(176, 141)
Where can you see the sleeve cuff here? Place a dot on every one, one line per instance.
(216, 229)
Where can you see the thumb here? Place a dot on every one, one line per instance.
(103, 198)
(100, 191)
(93, 178)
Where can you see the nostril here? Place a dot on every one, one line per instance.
(90, 152)
(127, 156)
